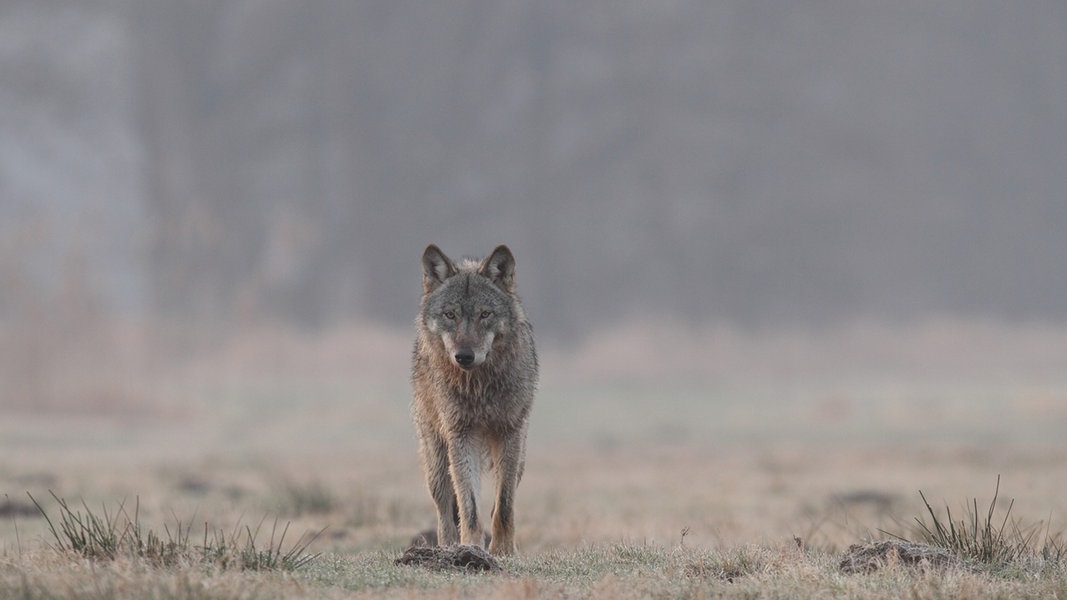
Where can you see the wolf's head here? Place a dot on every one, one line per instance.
(470, 305)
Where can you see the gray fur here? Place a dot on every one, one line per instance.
(474, 375)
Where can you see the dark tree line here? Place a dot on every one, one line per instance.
(761, 162)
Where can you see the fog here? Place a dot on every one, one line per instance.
(189, 171)
(770, 164)
(787, 263)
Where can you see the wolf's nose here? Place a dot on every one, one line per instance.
(465, 358)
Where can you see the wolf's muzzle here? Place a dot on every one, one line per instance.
(465, 358)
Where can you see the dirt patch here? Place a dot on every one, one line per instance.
(865, 558)
(460, 558)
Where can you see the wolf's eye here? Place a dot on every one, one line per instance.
(486, 314)
(450, 315)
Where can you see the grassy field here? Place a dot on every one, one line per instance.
(745, 472)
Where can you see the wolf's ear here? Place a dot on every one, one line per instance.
(500, 268)
(436, 268)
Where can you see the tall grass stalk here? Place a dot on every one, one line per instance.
(986, 541)
(106, 537)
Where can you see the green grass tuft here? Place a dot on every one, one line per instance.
(104, 536)
(986, 541)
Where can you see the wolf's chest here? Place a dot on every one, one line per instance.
(478, 402)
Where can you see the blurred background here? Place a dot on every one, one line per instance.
(727, 192)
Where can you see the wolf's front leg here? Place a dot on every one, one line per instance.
(508, 456)
(465, 462)
(434, 455)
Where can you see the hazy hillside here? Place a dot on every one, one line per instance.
(770, 163)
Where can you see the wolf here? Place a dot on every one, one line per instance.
(474, 375)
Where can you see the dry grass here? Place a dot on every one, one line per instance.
(603, 570)
(673, 481)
